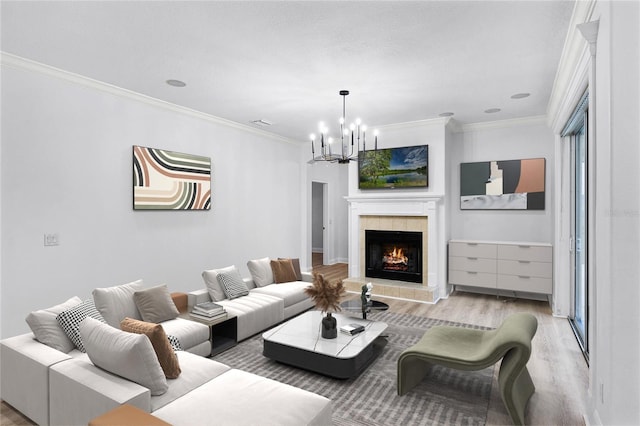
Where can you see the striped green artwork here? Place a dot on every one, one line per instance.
(167, 180)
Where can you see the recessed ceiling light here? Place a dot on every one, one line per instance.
(492, 110)
(445, 114)
(520, 95)
(262, 122)
(176, 83)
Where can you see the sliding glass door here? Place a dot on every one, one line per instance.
(579, 238)
(577, 135)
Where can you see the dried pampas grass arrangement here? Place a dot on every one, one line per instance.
(325, 295)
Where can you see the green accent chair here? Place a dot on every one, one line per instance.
(468, 349)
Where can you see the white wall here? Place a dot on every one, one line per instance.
(502, 140)
(614, 317)
(67, 168)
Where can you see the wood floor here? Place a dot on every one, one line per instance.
(557, 366)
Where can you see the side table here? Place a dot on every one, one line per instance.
(127, 415)
(223, 332)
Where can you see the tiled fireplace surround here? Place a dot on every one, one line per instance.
(395, 213)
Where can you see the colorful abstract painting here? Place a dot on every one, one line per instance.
(503, 185)
(167, 180)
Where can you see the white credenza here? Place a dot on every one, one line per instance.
(513, 266)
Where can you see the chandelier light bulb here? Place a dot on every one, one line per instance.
(321, 127)
(345, 132)
(364, 128)
(341, 120)
(375, 132)
(330, 141)
(352, 127)
(358, 121)
(313, 137)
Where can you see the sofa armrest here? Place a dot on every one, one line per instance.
(80, 391)
(307, 277)
(24, 367)
(198, 296)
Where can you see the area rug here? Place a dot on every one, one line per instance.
(445, 396)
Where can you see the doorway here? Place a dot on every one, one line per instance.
(319, 214)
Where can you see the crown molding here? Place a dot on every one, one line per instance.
(20, 63)
(571, 60)
(500, 124)
(430, 122)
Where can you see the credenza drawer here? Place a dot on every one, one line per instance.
(464, 249)
(525, 268)
(524, 283)
(472, 264)
(475, 279)
(525, 252)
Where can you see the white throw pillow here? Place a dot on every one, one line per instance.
(213, 286)
(116, 303)
(260, 270)
(45, 326)
(129, 355)
(155, 304)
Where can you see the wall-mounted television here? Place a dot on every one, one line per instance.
(392, 168)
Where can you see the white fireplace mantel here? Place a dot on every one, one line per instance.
(406, 204)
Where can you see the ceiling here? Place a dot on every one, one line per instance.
(285, 62)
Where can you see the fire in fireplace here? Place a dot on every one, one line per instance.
(395, 255)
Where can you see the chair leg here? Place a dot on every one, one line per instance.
(516, 393)
(411, 371)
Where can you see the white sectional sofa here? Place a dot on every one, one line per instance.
(53, 386)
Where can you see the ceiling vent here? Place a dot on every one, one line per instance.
(263, 123)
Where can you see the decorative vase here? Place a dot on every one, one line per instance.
(329, 327)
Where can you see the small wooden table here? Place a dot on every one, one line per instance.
(127, 415)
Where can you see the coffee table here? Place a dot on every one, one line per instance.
(355, 305)
(298, 342)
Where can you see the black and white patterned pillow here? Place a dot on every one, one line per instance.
(174, 342)
(232, 284)
(70, 320)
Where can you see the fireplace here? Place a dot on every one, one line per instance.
(394, 255)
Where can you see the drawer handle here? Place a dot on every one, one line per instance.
(472, 244)
(472, 258)
(472, 272)
(524, 261)
(525, 277)
(524, 246)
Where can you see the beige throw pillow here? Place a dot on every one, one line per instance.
(45, 326)
(160, 342)
(155, 304)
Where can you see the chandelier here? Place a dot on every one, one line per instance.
(349, 139)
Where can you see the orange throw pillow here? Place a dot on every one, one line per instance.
(160, 342)
(283, 271)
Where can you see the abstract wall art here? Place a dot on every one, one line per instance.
(167, 180)
(503, 185)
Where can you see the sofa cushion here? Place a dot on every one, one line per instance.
(260, 270)
(241, 398)
(45, 326)
(155, 304)
(296, 267)
(70, 321)
(160, 342)
(213, 286)
(232, 284)
(189, 333)
(116, 303)
(128, 355)
(196, 371)
(283, 271)
(255, 312)
(291, 293)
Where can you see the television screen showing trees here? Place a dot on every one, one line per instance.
(405, 167)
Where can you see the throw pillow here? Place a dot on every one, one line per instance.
(116, 303)
(283, 271)
(232, 284)
(296, 267)
(128, 355)
(155, 304)
(47, 330)
(70, 321)
(160, 342)
(213, 286)
(260, 270)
